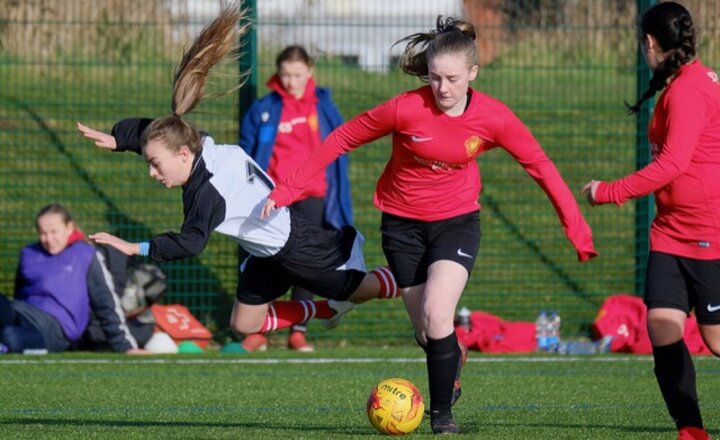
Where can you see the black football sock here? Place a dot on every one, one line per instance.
(675, 374)
(443, 356)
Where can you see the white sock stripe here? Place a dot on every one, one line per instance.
(313, 308)
(306, 309)
(392, 285)
(276, 320)
(395, 291)
(266, 326)
(382, 276)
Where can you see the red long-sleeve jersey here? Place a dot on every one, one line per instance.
(684, 135)
(432, 173)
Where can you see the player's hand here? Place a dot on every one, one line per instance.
(123, 246)
(267, 209)
(589, 190)
(102, 140)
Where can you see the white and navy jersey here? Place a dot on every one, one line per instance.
(225, 192)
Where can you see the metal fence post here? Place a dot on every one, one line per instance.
(644, 205)
(248, 62)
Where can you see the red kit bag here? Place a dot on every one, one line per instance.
(177, 321)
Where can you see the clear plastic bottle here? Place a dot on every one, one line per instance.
(577, 347)
(463, 318)
(553, 332)
(541, 331)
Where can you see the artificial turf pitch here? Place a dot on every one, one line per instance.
(285, 395)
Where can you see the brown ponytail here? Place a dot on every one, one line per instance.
(217, 42)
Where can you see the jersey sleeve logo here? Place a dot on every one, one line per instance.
(420, 138)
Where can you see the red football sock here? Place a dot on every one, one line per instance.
(283, 314)
(388, 286)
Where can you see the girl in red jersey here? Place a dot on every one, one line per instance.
(684, 265)
(428, 192)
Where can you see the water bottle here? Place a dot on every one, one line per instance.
(553, 332)
(577, 347)
(541, 331)
(463, 318)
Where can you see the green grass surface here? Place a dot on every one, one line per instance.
(280, 394)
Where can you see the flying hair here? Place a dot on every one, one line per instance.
(218, 42)
(451, 35)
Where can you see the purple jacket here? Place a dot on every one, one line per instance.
(57, 284)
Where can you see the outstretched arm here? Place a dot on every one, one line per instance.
(365, 128)
(123, 246)
(125, 135)
(102, 140)
(519, 142)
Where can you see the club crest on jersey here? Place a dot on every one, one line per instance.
(312, 122)
(713, 77)
(472, 144)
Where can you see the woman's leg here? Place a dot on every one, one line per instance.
(16, 333)
(377, 284)
(263, 318)
(7, 313)
(444, 286)
(21, 335)
(674, 368)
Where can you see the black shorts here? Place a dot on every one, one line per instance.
(684, 283)
(411, 246)
(327, 262)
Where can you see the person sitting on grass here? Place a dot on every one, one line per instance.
(60, 280)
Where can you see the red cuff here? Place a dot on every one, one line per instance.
(586, 255)
(280, 195)
(603, 194)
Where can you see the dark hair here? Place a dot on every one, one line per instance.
(54, 208)
(217, 42)
(450, 35)
(672, 27)
(293, 53)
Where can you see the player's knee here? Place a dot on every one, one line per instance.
(241, 328)
(436, 321)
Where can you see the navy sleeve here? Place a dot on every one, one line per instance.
(248, 129)
(204, 211)
(105, 304)
(128, 133)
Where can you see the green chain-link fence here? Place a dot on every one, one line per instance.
(564, 67)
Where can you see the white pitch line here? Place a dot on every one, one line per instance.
(481, 360)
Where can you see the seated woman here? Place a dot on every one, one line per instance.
(59, 280)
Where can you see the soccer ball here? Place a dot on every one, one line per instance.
(395, 407)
